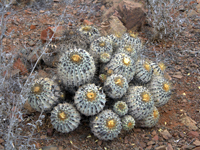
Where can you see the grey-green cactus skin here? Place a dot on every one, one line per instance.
(121, 64)
(120, 108)
(115, 89)
(139, 108)
(101, 129)
(89, 32)
(67, 124)
(160, 95)
(46, 97)
(143, 74)
(128, 122)
(89, 106)
(99, 46)
(150, 121)
(75, 74)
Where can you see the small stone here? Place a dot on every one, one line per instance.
(154, 132)
(38, 145)
(166, 135)
(69, 24)
(102, 8)
(148, 147)
(193, 134)
(162, 147)
(187, 147)
(169, 146)
(198, 1)
(1, 141)
(32, 27)
(142, 144)
(86, 22)
(192, 13)
(49, 132)
(28, 107)
(18, 64)
(41, 11)
(150, 143)
(43, 137)
(196, 148)
(187, 121)
(60, 147)
(137, 130)
(99, 142)
(31, 43)
(126, 140)
(97, 14)
(196, 142)
(156, 138)
(198, 8)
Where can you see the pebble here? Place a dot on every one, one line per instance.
(52, 147)
(196, 142)
(162, 147)
(1, 141)
(193, 134)
(166, 135)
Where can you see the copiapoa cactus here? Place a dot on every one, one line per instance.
(44, 94)
(106, 125)
(115, 86)
(65, 118)
(76, 67)
(160, 89)
(128, 122)
(121, 64)
(89, 99)
(120, 108)
(140, 102)
(151, 120)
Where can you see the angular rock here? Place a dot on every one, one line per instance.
(162, 147)
(187, 121)
(115, 26)
(169, 146)
(132, 14)
(196, 142)
(193, 134)
(28, 107)
(166, 135)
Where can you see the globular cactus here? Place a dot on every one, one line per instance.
(89, 99)
(160, 89)
(121, 64)
(89, 32)
(140, 102)
(128, 122)
(44, 94)
(151, 120)
(132, 39)
(65, 118)
(104, 57)
(158, 68)
(76, 67)
(129, 50)
(106, 125)
(143, 71)
(116, 40)
(120, 108)
(99, 46)
(115, 86)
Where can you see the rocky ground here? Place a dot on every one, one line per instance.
(178, 127)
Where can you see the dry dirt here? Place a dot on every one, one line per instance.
(183, 55)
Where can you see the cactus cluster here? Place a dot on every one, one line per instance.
(101, 80)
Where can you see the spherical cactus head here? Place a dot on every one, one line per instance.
(147, 66)
(166, 87)
(111, 123)
(37, 88)
(62, 115)
(145, 96)
(121, 106)
(162, 66)
(91, 95)
(76, 58)
(86, 28)
(126, 61)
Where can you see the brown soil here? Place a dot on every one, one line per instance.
(184, 100)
